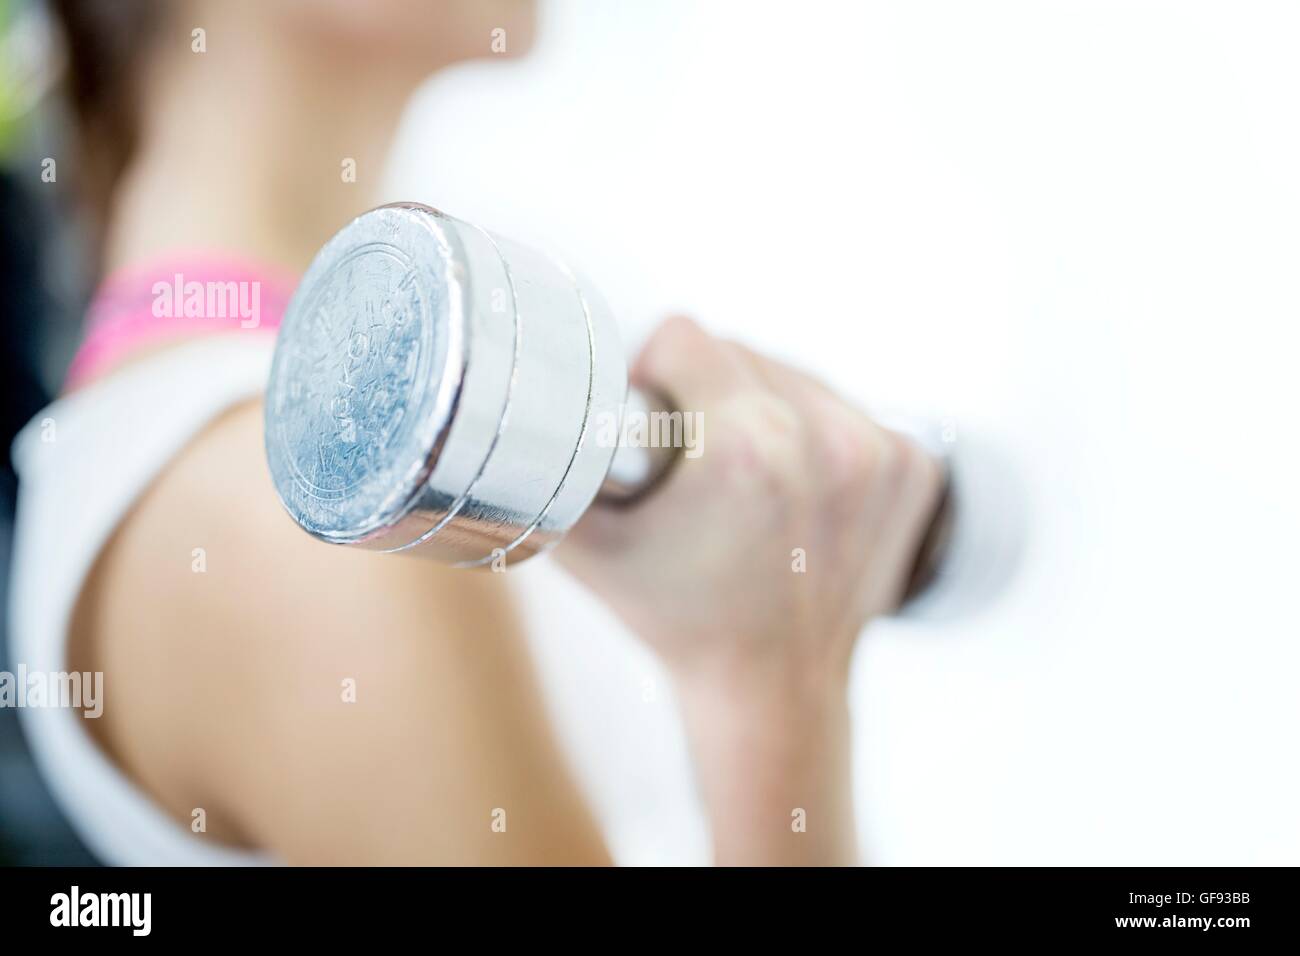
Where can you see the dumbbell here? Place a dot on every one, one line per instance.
(441, 391)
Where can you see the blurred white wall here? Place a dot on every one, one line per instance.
(1073, 227)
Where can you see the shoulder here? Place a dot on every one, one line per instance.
(292, 687)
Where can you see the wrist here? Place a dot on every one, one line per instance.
(746, 686)
(771, 748)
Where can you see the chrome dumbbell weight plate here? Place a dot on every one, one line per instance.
(367, 370)
(435, 389)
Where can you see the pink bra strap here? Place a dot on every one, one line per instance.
(174, 298)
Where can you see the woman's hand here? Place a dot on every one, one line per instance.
(751, 572)
(798, 521)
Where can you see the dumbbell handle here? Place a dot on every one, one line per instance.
(637, 468)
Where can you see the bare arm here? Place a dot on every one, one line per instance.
(230, 689)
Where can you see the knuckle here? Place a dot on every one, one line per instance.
(849, 460)
(907, 458)
(671, 343)
(902, 459)
(918, 478)
(917, 468)
(845, 448)
(759, 444)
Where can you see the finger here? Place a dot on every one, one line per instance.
(882, 481)
(843, 442)
(691, 367)
(782, 377)
(915, 483)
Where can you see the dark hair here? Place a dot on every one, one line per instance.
(105, 42)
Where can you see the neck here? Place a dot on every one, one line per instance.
(247, 148)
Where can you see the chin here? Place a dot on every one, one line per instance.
(486, 27)
(439, 31)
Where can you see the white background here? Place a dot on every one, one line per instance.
(1074, 228)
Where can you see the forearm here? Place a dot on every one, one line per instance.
(773, 768)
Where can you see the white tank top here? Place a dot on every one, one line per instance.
(82, 463)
